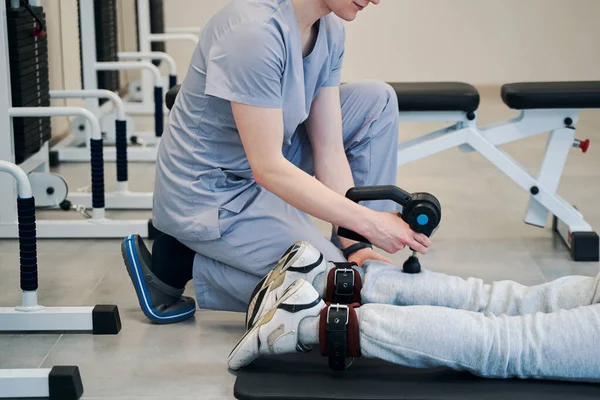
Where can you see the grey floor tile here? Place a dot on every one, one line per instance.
(186, 359)
(25, 350)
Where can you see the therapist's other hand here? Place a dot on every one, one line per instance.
(362, 255)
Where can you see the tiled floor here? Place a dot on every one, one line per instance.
(482, 235)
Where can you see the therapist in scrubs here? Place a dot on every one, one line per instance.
(262, 137)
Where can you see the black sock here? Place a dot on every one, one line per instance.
(172, 262)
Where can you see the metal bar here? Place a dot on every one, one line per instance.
(557, 150)
(8, 209)
(154, 55)
(23, 185)
(24, 383)
(163, 37)
(71, 154)
(521, 177)
(87, 27)
(99, 94)
(51, 319)
(433, 146)
(143, 23)
(121, 200)
(82, 229)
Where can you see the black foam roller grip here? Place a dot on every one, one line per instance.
(158, 110)
(27, 243)
(121, 144)
(172, 80)
(97, 173)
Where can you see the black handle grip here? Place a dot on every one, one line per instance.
(172, 81)
(388, 192)
(369, 193)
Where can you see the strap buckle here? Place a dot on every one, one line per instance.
(338, 307)
(343, 270)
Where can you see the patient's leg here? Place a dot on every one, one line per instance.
(559, 346)
(385, 284)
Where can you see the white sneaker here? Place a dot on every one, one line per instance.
(301, 261)
(277, 331)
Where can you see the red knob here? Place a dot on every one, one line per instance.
(584, 145)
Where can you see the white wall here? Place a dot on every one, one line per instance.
(485, 42)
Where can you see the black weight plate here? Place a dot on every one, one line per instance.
(31, 43)
(36, 98)
(20, 57)
(28, 81)
(34, 84)
(27, 141)
(32, 62)
(42, 127)
(26, 42)
(24, 124)
(19, 73)
(25, 25)
(23, 12)
(21, 53)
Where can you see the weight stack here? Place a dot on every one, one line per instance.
(107, 42)
(157, 25)
(29, 81)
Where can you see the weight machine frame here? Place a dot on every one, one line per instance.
(74, 148)
(95, 227)
(146, 38)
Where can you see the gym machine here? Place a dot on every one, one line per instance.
(75, 147)
(58, 382)
(30, 151)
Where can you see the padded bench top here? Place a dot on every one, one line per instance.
(548, 95)
(436, 96)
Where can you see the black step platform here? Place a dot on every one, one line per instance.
(436, 96)
(307, 377)
(551, 95)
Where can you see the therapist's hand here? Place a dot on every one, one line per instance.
(362, 255)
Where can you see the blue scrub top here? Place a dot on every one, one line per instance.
(249, 52)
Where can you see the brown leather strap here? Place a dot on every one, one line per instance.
(352, 331)
(330, 290)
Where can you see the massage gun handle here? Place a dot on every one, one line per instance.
(386, 192)
(367, 193)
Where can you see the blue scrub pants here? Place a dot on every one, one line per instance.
(257, 233)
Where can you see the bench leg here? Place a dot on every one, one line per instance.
(547, 198)
(559, 144)
(431, 144)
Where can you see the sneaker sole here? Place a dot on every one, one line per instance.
(271, 281)
(136, 274)
(265, 319)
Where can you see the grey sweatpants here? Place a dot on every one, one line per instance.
(498, 330)
(253, 239)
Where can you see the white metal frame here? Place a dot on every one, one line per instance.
(95, 227)
(486, 140)
(146, 38)
(74, 148)
(24, 383)
(123, 198)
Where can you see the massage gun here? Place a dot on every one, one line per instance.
(421, 211)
